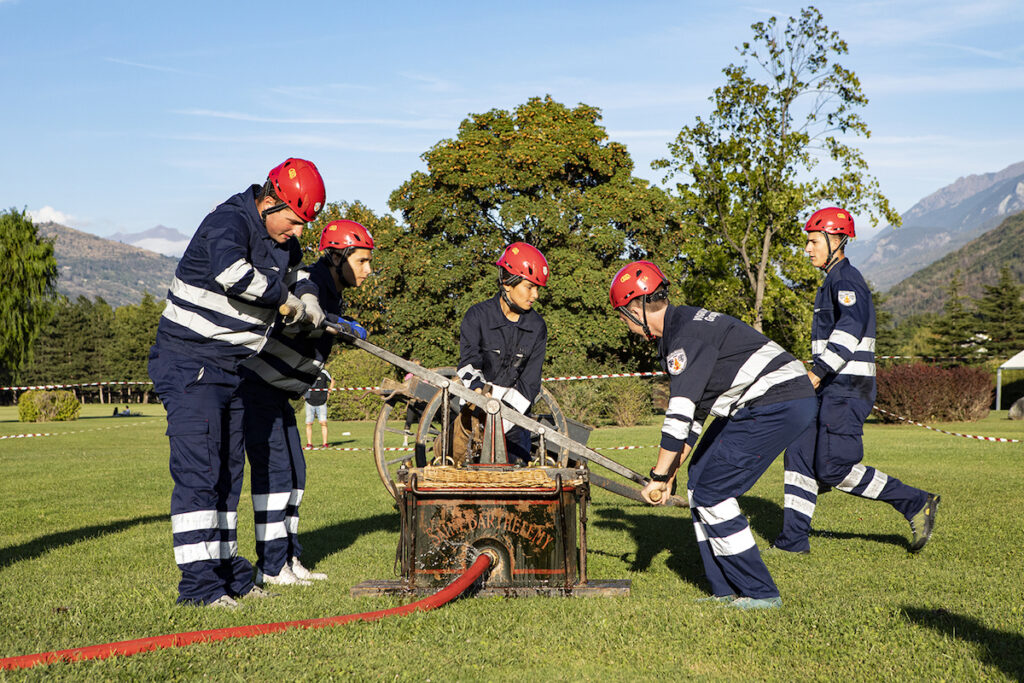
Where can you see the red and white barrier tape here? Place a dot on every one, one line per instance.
(76, 431)
(72, 386)
(411, 448)
(998, 439)
(563, 378)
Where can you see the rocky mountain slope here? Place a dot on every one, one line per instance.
(940, 224)
(92, 266)
(979, 263)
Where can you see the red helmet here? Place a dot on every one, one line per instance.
(832, 221)
(299, 185)
(526, 261)
(344, 234)
(639, 278)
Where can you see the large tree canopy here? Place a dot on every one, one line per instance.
(542, 173)
(748, 175)
(29, 292)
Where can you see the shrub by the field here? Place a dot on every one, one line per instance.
(48, 406)
(628, 400)
(356, 368)
(925, 392)
(621, 401)
(579, 400)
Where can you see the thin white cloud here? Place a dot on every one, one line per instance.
(140, 65)
(328, 92)
(163, 246)
(48, 214)
(431, 83)
(1011, 55)
(292, 140)
(906, 22)
(664, 134)
(1002, 80)
(418, 124)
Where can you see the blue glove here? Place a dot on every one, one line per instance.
(351, 328)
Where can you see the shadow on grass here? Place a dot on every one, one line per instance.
(320, 543)
(37, 546)
(766, 520)
(1002, 649)
(652, 534)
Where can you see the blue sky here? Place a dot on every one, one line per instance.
(119, 116)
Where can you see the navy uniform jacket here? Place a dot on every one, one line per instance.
(292, 359)
(718, 365)
(843, 334)
(507, 355)
(228, 285)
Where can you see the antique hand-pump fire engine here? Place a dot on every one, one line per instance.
(531, 520)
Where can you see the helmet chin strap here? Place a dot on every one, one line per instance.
(831, 259)
(643, 325)
(518, 310)
(338, 272)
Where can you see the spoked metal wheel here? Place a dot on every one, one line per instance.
(390, 451)
(391, 455)
(545, 410)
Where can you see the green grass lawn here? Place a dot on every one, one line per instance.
(85, 558)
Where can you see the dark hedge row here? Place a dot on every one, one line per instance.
(925, 392)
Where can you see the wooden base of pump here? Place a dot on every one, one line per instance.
(531, 521)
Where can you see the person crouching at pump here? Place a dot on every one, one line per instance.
(761, 399)
(284, 369)
(239, 267)
(502, 342)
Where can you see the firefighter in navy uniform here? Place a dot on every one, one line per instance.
(502, 343)
(760, 397)
(238, 269)
(283, 370)
(843, 373)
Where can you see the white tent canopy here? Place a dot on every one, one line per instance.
(1015, 363)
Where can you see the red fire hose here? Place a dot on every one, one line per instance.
(131, 647)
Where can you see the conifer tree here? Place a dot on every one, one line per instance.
(1001, 310)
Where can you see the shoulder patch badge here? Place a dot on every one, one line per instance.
(676, 362)
(847, 298)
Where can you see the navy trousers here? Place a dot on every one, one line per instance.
(829, 451)
(733, 454)
(277, 470)
(204, 428)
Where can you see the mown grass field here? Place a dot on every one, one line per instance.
(85, 558)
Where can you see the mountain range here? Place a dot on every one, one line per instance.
(161, 239)
(940, 224)
(978, 264)
(92, 266)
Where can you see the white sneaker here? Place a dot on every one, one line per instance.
(224, 602)
(303, 573)
(284, 578)
(259, 592)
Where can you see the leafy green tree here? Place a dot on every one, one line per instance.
(74, 346)
(885, 330)
(542, 173)
(134, 331)
(748, 173)
(955, 330)
(365, 304)
(98, 341)
(1001, 310)
(29, 293)
(913, 336)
